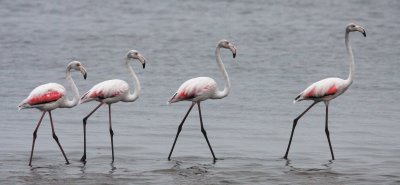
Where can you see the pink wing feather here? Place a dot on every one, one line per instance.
(43, 94)
(201, 87)
(50, 96)
(321, 89)
(106, 89)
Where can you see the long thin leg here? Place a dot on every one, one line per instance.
(205, 133)
(327, 131)
(180, 129)
(56, 138)
(294, 126)
(111, 132)
(83, 159)
(35, 135)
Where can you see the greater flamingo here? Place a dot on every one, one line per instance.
(50, 96)
(327, 89)
(112, 91)
(203, 88)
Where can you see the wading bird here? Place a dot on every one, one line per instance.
(203, 88)
(112, 91)
(327, 89)
(50, 96)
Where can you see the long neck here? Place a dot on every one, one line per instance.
(351, 59)
(132, 97)
(221, 94)
(75, 92)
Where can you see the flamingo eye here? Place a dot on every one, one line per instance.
(226, 44)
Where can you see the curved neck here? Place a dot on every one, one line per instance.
(351, 58)
(75, 92)
(132, 97)
(221, 94)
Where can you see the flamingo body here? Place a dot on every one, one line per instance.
(109, 91)
(112, 91)
(44, 97)
(50, 96)
(327, 89)
(195, 89)
(200, 89)
(324, 90)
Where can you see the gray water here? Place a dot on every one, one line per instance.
(283, 46)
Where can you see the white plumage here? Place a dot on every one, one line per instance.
(324, 90)
(110, 91)
(195, 89)
(44, 97)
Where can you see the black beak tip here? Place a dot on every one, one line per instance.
(234, 55)
(144, 65)
(365, 34)
(84, 76)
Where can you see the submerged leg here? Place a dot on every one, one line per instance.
(83, 159)
(294, 126)
(56, 138)
(34, 136)
(180, 129)
(327, 130)
(205, 133)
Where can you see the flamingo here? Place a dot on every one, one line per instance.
(203, 88)
(50, 96)
(327, 89)
(112, 91)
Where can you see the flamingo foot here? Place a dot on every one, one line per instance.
(83, 159)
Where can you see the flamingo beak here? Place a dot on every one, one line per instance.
(233, 49)
(362, 30)
(83, 71)
(142, 60)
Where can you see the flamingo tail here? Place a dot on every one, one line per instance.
(172, 99)
(85, 98)
(23, 105)
(297, 99)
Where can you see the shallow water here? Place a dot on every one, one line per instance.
(282, 46)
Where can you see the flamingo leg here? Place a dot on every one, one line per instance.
(294, 126)
(111, 132)
(56, 138)
(327, 131)
(35, 135)
(205, 133)
(83, 159)
(180, 129)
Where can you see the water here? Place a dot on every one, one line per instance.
(283, 46)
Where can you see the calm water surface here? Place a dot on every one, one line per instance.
(283, 46)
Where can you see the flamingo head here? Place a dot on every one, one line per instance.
(77, 66)
(227, 45)
(353, 27)
(133, 54)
